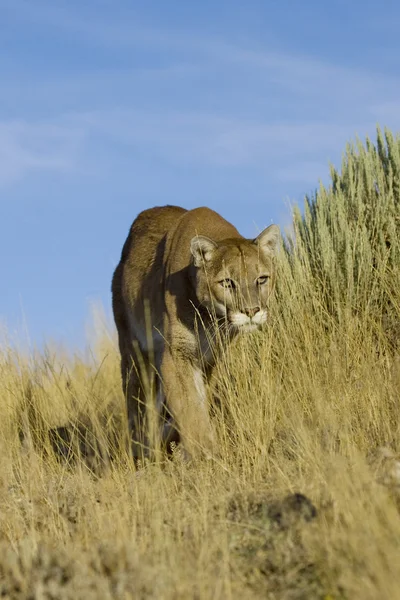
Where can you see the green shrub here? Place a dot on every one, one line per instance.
(347, 240)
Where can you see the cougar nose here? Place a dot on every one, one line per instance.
(250, 312)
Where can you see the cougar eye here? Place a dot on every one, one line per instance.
(227, 283)
(263, 279)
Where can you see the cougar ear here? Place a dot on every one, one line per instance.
(202, 249)
(268, 239)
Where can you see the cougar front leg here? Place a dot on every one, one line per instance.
(136, 386)
(186, 397)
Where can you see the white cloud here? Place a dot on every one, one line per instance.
(105, 26)
(27, 147)
(324, 104)
(209, 139)
(284, 150)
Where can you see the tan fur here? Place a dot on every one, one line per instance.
(173, 308)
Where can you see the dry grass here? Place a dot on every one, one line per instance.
(302, 408)
(299, 411)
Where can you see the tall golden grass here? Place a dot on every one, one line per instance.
(308, 406)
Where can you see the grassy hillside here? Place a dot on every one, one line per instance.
(310, 406)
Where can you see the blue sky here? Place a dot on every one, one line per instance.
(108, 107)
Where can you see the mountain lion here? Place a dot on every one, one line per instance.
(186, 283)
